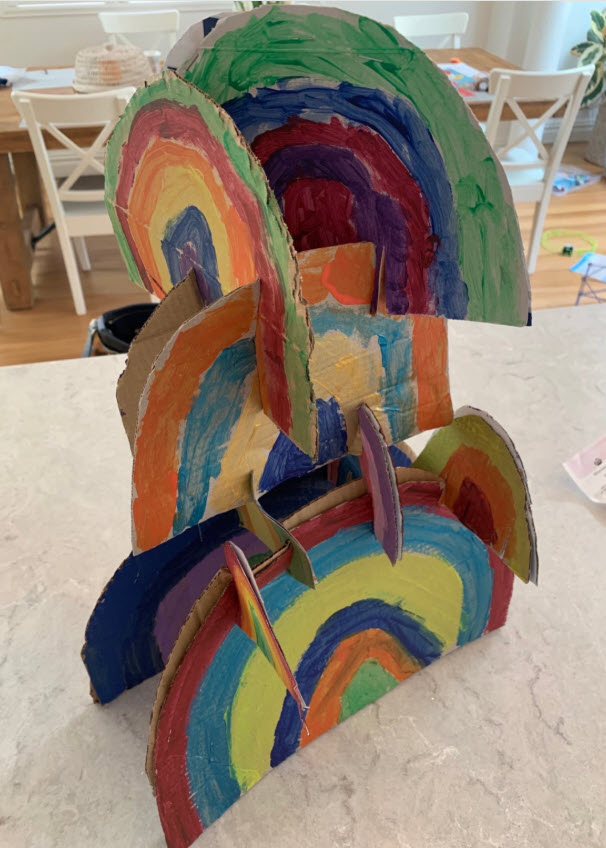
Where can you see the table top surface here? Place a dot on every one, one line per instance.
(502, 742)
(14, 137)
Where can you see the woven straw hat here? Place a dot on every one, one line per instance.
(110, 66)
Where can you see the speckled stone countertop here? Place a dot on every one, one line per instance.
(502, 743)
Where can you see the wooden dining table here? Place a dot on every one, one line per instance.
(21, 199)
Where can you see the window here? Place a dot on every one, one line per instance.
(23, 8)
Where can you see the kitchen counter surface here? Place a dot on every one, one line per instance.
(502, 743)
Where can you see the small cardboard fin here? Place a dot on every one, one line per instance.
(378, 297)
(486, 486)
(255, 622)
(273, 534)
(181, 304)
(380, 478)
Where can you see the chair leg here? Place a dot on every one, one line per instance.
(71, 266)
(81, 252)
(540, 213)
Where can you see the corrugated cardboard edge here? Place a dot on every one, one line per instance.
(179, 305)
(200, 611)
(533, 565)
(211, 596)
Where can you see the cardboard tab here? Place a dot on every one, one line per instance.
(380, 478)
(254, 518)
(255, 622)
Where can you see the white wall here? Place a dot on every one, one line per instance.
(479, 12)
(534, 35)
(54, 38)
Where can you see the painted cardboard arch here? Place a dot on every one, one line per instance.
(270, 44)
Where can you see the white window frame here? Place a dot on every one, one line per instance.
(35, 8)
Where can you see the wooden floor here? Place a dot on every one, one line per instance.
(52, 330)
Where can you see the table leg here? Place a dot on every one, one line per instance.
(29, 188)
(15, 253)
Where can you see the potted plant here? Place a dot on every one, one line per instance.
(593, 52)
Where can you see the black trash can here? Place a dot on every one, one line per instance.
(114, 331)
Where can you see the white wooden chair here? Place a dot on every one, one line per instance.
(451, 25)
(119, 25)
(531, 172)
(77, 211)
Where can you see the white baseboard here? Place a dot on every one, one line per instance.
(581, 129)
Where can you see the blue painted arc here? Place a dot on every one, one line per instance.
(213, 414)
(187, 244)
(371, 613)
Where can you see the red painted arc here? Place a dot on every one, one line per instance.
(183, 124)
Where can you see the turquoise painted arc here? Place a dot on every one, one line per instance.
(225, 386)
(215, 411)
(354, 164)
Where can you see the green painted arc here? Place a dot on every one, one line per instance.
(283, 43)
(369, 682)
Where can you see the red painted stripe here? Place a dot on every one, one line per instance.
(323, 527)
(178, 814)
(502, 590)
(169, 119)
(388, 175)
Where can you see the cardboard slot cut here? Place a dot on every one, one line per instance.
(255, 519)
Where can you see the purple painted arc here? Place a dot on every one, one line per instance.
(394, 121)
(387, 207)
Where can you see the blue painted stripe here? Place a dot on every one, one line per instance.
(397, 121)
(212, 785)
(287, 460)
(398, 396)
(374, 613)
(214, 413)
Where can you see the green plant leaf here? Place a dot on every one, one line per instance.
(596, 85)
(598, 22)
(580, 48)
(595, 39)
(592, 55)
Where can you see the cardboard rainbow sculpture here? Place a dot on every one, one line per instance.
(311, 209)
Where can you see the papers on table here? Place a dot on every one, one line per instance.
(593, 264)
(469, 81)
(8, 75)
(588, 470)
(51, 78)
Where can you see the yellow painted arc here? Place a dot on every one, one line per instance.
(167, 183)
(343, 368)
(425, 585)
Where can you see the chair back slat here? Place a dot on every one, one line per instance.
(119, 25)
(514, 90)
(53, 113)
(451, 25)
(531, 179)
